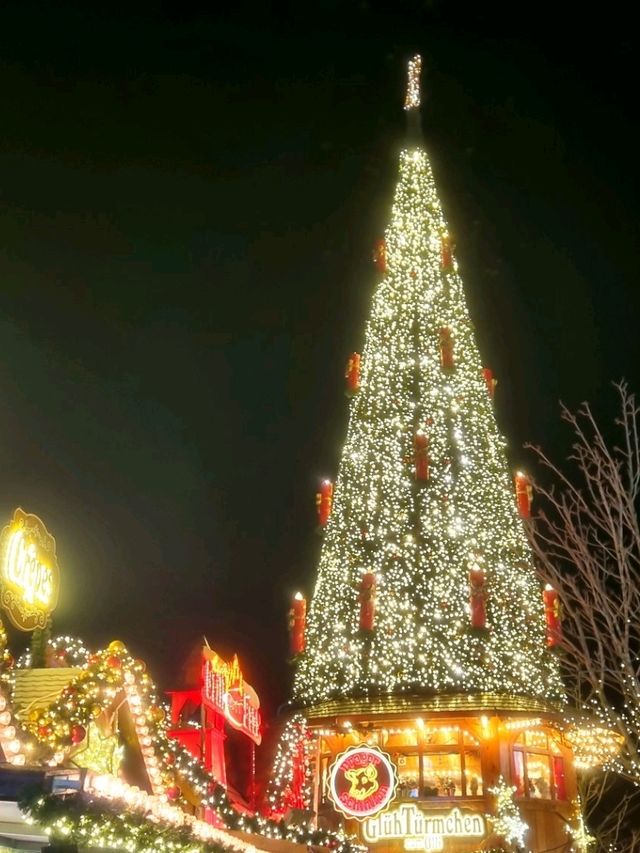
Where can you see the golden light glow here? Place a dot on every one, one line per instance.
(29, 570)
(412, 99)
(594, 746)
(418, 541)
(523, 724)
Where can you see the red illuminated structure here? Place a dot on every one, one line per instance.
(199, 715)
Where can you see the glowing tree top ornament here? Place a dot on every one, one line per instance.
(417, 538)
(412, 99)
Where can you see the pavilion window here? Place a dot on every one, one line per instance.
(538, 767)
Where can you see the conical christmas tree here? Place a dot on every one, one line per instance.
(424, 514)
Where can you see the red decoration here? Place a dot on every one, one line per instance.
(78, 734)
(487, 374)
(380, 255)
(352, 374)
(297, 624)
(524, 494)
(446, 348)
(421, 455)
(173, 793)
(114, 662)
(477, 597)
(324, 502)
(552, 612)
(367, 599)
(446, 253)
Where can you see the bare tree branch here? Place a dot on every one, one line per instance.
(586, 539)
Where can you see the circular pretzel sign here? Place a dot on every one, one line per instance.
(362, 781)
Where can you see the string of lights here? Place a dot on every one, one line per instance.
(421, 371)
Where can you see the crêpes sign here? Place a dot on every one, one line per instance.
(29, 571)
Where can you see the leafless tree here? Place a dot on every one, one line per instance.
(587, 542)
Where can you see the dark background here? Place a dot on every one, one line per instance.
(188, 202)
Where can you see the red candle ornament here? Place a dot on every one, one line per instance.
(380, 255)
(446, 253)
(524, 494)
(297, 624)
(552, 612)
(367, 598)
(421, 459)
(477, 597)
(352, 374)
(324, 502)
(446, 348)
(488, 377)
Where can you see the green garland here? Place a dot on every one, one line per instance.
(88, 822)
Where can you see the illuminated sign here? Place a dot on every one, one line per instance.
(225, 691)
(29, 571)
(423, 830)
(362, 781)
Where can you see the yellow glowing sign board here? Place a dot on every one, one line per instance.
(423, 830)
(29, 571)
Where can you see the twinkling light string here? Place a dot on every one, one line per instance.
(412, 99)
(418, 539)
(507, 821)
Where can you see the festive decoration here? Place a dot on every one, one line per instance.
(12, 745)
(99, 824)
(352, 374)
(6, 658)
(99, 753)
(29, 573)
(367, 597)
(581, 838)
(446, 349)
(362, 782)
(226, 692)
(290, 783)
(101, 688)
(491, 382)
(477, 596)
(524, 494)
(446, 253)
(507, 821)
(412, 100)
(421, 371)
(297, 624)
(421, 456)
(552, 612)
(594, 745)
(380, 256)
(324, 502)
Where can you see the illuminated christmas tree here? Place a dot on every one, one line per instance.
(426, 581)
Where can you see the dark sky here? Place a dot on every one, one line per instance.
(188, 203)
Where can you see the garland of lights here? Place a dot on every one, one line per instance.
(507, 821)
(6, 659)
(62, 727)
(89, 823)
(63, 651)
(290, 783)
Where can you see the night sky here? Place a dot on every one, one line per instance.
(188, 204)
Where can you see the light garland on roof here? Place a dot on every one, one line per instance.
(113, 676)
